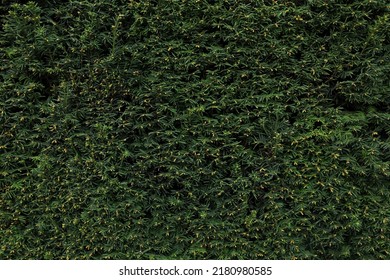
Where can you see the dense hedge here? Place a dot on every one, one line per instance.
(194, 129)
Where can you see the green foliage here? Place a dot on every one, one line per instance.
(194, 129)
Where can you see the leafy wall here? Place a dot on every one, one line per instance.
(194, 129)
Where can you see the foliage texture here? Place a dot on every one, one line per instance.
(194, 129)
